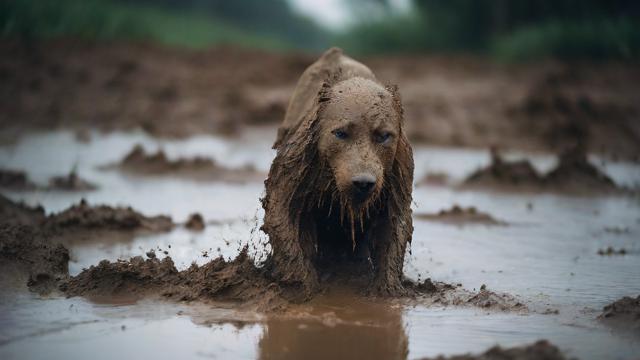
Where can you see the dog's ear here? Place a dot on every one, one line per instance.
(401, 179)
(296, 165)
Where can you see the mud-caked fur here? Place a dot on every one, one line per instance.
(341, 122)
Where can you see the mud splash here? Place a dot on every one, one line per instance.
(574, 174)
(539, 350)
(138, 162)
(461, 216)
(622, 314)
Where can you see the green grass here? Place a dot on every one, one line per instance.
(105, 20)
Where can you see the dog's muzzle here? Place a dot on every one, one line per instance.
(362, 186)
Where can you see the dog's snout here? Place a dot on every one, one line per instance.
(363, 184)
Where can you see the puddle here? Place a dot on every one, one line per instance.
(546, 257)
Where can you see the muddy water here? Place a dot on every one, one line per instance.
(546, 257)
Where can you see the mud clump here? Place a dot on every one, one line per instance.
(70, 182)
(461, 216)
(85, 217)
(623, 313)
(28, 252)
(15, 180)
(610, 251)
(195, 222)
(541, 349)
(236, 281)
(574, 174)
(138, 162)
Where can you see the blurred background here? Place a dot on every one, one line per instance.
(525, 74)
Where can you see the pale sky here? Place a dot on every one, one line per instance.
(333, 14)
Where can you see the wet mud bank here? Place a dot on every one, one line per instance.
(542, 349)
(139, 162)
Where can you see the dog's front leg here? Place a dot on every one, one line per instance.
(390, 243)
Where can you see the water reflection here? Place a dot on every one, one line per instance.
(337, 326)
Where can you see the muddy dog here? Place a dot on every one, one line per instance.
(338, 194)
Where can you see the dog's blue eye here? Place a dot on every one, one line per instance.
(383, 137)
(340, 134)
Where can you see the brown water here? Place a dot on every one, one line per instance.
(547, 258)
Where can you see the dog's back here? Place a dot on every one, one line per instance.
(333, 63)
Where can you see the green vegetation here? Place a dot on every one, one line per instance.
(506, 29)
(509, 30)
(602, 39)
(107, 20)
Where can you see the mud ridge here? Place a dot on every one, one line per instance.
(103, 217)
(71, 182)
(541, 349)
(461, 216)
(139, 162)
(623, 314)
(574, 174)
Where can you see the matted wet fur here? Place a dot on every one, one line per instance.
(316, 229)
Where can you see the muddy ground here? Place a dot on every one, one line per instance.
(454, 101)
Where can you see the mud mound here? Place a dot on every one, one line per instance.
(623, 313)
(198, 168)
(435, 179)
(235, 281)
(15, 180)
(85, 217)
(574, 174)
(505, 174)
(19, 214)
(540, 350)
(26, 251)
(70, 182)
(195, 222)
(461, 216)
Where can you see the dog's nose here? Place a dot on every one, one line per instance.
(363, 184)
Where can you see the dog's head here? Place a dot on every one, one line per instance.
(358, 131)
(350, 148)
